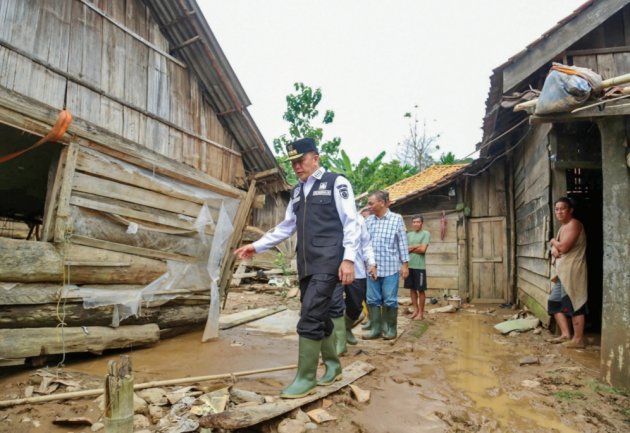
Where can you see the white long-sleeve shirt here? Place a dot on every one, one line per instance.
(344, 202)
(365, 256)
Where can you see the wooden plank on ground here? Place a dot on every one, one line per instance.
(231, 320)
(252, 415)
(22, 343)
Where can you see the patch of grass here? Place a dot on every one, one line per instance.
(418, 327)
(568, 395)
(597, 386)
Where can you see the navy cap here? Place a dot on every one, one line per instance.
(299, 147)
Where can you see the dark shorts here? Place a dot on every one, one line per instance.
(417, 280)
(559, 302)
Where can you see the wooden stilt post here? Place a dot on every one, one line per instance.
(119, 397)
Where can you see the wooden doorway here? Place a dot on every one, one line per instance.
(488, 260)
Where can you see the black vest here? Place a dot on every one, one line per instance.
(319, 229)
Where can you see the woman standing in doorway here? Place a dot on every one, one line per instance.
(569, 293)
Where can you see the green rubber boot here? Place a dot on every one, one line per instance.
(331, 361)
(390, 317)
(350, 338)
(305, 379)
(367, 325)
(340, 335)
(376, 321)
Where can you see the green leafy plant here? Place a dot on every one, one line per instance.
(568, 395)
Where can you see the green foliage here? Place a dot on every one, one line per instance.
(568, 395)
(603, 388)
(281, 261)
(303, 115)
(449, 159)
(371, 174)
(418, 327)
(305, 120)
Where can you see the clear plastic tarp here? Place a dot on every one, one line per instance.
(206, 246)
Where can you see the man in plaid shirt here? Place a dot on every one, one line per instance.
(389, 240)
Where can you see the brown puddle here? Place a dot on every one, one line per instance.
(477, 359)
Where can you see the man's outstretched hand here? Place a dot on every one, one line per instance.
(245, 252)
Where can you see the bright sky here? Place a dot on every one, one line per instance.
(376, 59)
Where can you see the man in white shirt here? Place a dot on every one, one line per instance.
(322, 212)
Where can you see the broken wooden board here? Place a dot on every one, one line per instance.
(252, 415)
(230, 320)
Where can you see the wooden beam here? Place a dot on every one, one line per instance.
(606, 110)
(231, 320)
(29, 342)
(119, 191)
(92, 162)
(555, 43)
(596, 51)
(35, 117)
(244, 417)
(63, 221)
(28, 261)
(138, 212)
(240, 222)
(139, 251)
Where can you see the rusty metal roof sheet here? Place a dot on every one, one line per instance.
(432, 177)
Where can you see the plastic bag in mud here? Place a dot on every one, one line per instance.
(566, 88)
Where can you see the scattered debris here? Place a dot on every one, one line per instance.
(237, 417)
(520, 325)
(529, 360)
(361, 395)
(530, 383)
(320, 415)
(289, 425)
(445, 309)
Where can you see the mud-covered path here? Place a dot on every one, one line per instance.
(450, 373)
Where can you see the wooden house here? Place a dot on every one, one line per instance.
(115, 234)
(433, 195)
(527, 162)
(583, 156)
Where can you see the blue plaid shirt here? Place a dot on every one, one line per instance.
(389, 240)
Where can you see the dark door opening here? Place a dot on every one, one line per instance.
(25, 183)
(580, 157)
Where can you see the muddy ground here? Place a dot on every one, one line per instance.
(448, 373)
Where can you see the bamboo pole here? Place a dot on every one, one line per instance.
(118, 417)
(92, 392)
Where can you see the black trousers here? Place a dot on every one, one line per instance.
(316, 292)
(354, 296)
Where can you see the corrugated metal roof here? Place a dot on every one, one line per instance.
(430, 178)
(183, 24)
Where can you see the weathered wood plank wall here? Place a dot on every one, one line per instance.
(533, 216)
(443, 256)
(115, 81)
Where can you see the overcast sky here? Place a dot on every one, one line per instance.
(376, 59)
